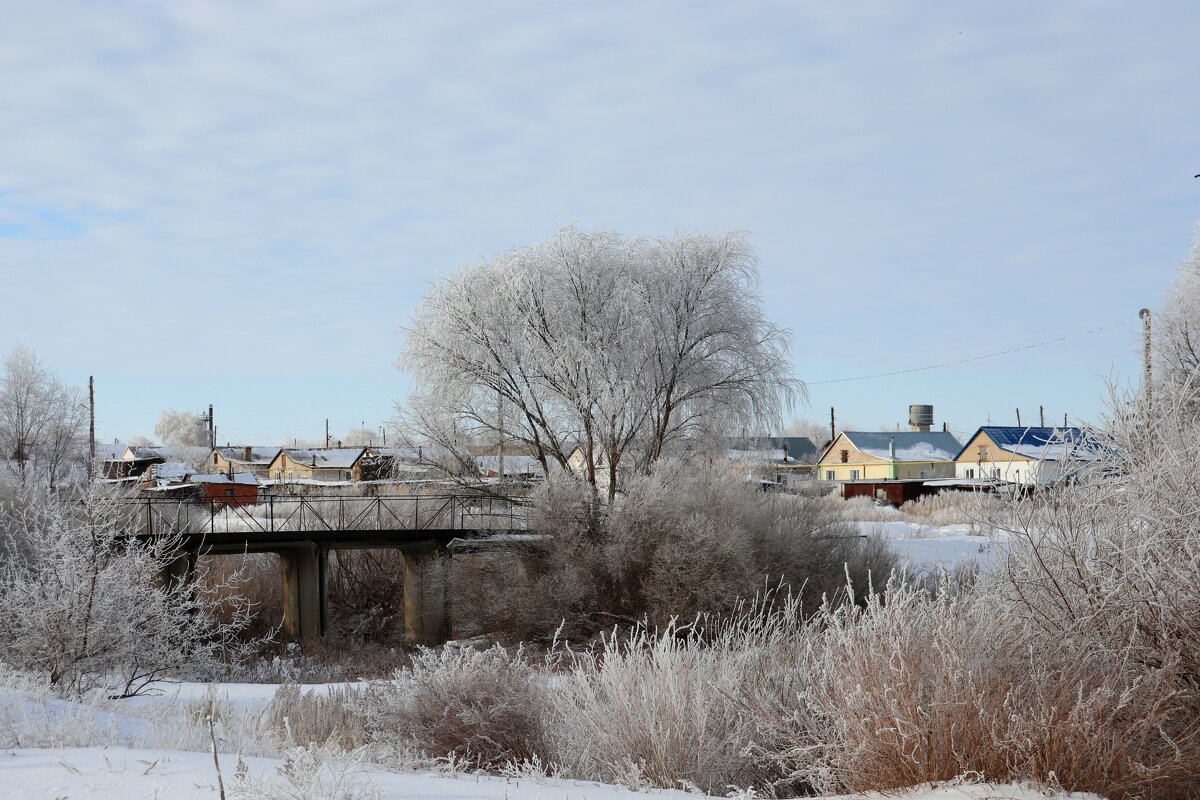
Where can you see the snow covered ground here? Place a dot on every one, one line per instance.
(115, 751)
(123, 774)
(925, 548)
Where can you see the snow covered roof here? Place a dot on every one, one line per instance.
(797, 446)
(325, 457)
(1041, 444)
(222, 477)
(910, 445)
(170, 473)
(513, 464)
(140, 453)
(111, 451)
(258, 455)
(399, 453)
(758, 456)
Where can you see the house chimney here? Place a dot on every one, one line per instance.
(892, 448)
(246, 453)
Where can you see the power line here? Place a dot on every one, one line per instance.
(973, 358)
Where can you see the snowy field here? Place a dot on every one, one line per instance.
(138, 751)
(926, 548)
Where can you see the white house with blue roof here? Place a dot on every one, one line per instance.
(1029, 456)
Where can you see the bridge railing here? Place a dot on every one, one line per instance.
(318, 514)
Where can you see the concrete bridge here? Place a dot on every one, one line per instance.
(302, 530)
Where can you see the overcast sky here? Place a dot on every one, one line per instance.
(241, 203)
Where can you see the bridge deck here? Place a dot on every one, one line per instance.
(338, 522)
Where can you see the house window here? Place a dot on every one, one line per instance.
(970, 473)
(214, 458)
(845, 456)
(830, 474)
(229, 492)
(983, 452)
(853, 474)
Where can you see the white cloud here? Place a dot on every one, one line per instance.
(298, 172)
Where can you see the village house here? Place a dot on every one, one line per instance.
(1028, 456)
(888, 455)
(121, 463)
(322, 464)
(775, 460)
(256, 460)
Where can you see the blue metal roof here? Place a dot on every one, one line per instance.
(909, 445)
(1036, 441)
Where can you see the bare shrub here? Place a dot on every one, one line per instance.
(686, 539)
(318, 716)
(913, 690)
(312, 772)
(485, 708)
(366, 594)
(236, 584)
(667, 708)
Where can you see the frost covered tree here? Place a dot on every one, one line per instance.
(1177, 329)
(85, 606)
(42, 419)
(187, 436)
(181, 429)
(625, 349)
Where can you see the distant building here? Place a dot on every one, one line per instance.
(121, 463)
(888, 455)
(231, 489)
(323, 464)
(1029, 456)
(255, 460)
(773, 459)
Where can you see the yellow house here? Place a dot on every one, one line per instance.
(888, 455)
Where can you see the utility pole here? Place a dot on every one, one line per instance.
(832, 426)
(1018, 417)
(91, 428)
(327, 432)
(1042, 416)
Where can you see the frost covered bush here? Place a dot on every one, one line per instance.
(319, 716)
(668, 708)
(916, 690)
(686, 539)
(1111, 562)
(483, 708)
(84, 604)
(313, 772)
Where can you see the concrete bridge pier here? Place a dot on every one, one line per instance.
(181, 570)
(305, 610)
(427, 610)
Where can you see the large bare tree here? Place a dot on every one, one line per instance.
(623, 348)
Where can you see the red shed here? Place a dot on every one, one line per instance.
(231, 489)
